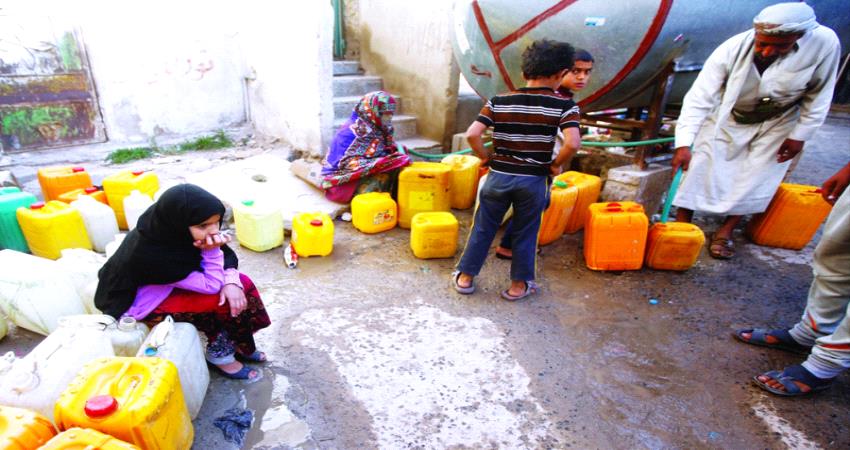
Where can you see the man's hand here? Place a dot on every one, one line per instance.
(835, 185)
(681, 158)
(233, 295)
(212, 241)
(789, 150)
(554, 170)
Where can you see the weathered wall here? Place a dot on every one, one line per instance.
(408, 44)
(351, 28)
(289, 58)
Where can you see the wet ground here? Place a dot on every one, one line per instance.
(371, 348)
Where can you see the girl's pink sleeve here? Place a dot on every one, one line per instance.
(211, 280)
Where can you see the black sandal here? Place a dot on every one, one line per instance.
(759, 336)
(789, 378)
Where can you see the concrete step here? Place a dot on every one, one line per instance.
(346, 68)
(343, 106)
(404, 125)
(356, 85)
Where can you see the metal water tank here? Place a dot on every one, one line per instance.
(631, 41)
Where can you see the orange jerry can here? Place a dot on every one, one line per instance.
(91, 191)
(792, 218)
(137, 400)
(58, 180)
(22, 429)
(86, 439)
(589, 187)
(615, 236)
(562, 201)
(673, 245)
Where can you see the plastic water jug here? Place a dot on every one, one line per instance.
(86, 439)
(562, 201)
(481, 181)
(52, 226)
(82, 266)
(423, 187)
(312, 234)
(36, 381)
(125, 335)
(35, 292)
(259, 225)
(434, 235)
(464, 179)
(21, 429)
(137, 400)
(58, 180)
(791, 220)
(673, 245)
(374, 212)
(90, 191)
(135, 205)
(180, 343)
(589, 187)
(99, 220)
(119, 185)
(615, 236)
(11, 236)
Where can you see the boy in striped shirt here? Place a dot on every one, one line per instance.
(525, 122)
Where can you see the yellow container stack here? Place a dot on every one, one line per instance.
(561, 205)
(259, 227)
(58, 180)
(119, 185)
(51, 227)
(21, 429)
(589, 187)
(312, 234)
(792, 218)
(673, 245)
(463, 180)
(615, 236)
(86, 439)
(374, 212)
(434, 235)
(423, 187)
(137, 400)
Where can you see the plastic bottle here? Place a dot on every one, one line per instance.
(134, 205)
(127, 336)
(98, 219)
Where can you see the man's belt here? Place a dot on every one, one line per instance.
(762, 112)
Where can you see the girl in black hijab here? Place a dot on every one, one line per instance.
(176, 262)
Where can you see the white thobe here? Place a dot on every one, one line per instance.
(733, 169)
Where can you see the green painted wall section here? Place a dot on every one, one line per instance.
(30, 123)
(70, 52)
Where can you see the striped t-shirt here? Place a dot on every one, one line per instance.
(525, 123)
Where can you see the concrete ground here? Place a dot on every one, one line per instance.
(371, 348)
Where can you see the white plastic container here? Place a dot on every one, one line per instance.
(134, 205)
(179, 343)
(82, 266)
(259, 226)
(125, 335)
(113, 246)
(35, 381)
(99, 220)
(35, 292)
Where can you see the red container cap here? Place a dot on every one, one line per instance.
(101, 406)
(316, 222)
(78, 169)
(138, 172)
(91, 190)
(37, 205)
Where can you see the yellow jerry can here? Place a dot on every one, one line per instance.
(374, 212)
(792, 218)
(137, 400)
(464, 179)
(615, 236)
(86, 439)
(562, 201)
(434, 235)
(259, 226)
(22, 429)
(423, 187)
(52, 227)
(119, 185)
(58, 180)
(312, 234)
(673, 245)
(589, 187)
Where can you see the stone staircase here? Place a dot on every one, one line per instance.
(349, 85)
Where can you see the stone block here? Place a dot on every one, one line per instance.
(646, 187)
(7, 179)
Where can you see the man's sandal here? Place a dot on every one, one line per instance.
(791, 378)
(530, 288)
(784, 340)
(721, 248)
(465, 290)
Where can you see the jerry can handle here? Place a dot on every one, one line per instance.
(422, 175)
(161, 333)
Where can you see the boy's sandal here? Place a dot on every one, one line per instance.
(789, 378)
(530, 288)
(461, 289)
(721, 248)
(243, 374)
(257, 357)
(785, 342)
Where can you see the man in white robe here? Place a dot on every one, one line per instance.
(759, 97)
